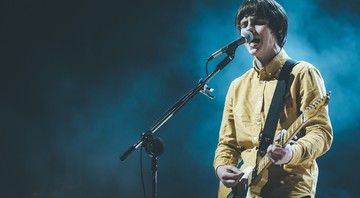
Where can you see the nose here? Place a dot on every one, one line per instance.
(250, 28)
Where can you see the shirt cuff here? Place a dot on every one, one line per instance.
(296, 150)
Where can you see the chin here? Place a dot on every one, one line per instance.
(252, 52)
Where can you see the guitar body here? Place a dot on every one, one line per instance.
(249, 187)
(242, 189)
(258, 183)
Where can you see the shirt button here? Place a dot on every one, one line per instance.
(258, 123)
(255, 138)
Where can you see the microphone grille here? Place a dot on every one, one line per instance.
(248, 36)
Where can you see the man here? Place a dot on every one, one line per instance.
(294, 171)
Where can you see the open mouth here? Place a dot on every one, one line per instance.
(255, 40)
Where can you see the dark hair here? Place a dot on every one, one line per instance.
(267, 9)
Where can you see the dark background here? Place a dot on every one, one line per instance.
(81, 80)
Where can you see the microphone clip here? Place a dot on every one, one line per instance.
(207, 91)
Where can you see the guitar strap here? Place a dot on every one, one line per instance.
(277, 103)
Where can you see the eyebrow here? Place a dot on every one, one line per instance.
(254, 19)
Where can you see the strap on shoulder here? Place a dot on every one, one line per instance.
(277, 102)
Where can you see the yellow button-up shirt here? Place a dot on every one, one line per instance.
(246, 106)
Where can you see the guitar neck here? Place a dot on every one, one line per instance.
(294, 129)
(265, 162)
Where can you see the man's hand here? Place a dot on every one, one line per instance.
(277, 154)
(229, 175)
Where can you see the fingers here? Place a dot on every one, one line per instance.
(229, 175)
(275, 150)
(230, 183)
(275, 153)
(280, 136)
(233, 169)
(277, 139)
(279, 155)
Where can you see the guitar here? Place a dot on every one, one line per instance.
(254, 178)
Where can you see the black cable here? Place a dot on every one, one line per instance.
(141, 173)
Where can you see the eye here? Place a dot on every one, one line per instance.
(260, 22)
(243, 24)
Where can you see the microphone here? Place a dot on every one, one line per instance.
(246, 37)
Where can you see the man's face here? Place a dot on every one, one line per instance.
(264, 45)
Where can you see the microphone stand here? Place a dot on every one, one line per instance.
(154, 146)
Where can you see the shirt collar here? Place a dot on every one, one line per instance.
(272, 69)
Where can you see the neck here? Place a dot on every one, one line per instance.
(263, 61)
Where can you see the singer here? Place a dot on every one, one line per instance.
(244, 129)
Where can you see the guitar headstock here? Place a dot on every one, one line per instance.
(314, 108)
